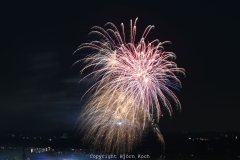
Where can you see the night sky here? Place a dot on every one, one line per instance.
(39, 88)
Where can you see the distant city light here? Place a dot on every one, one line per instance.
(203, 139)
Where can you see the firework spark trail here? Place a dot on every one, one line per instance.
(112, 128)
(143, 74)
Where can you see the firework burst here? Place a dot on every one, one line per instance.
(133, 83)
(110, 124)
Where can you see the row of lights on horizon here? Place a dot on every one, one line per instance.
(205, 139)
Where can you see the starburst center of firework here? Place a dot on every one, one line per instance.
(118, 120)
(119, 123)
(142, 76)
(112, 62)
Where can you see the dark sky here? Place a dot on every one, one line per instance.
(39, 87)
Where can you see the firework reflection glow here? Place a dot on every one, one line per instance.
(133, 82)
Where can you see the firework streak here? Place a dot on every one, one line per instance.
(133, 82)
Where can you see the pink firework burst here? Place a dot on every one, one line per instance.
(142, 71)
